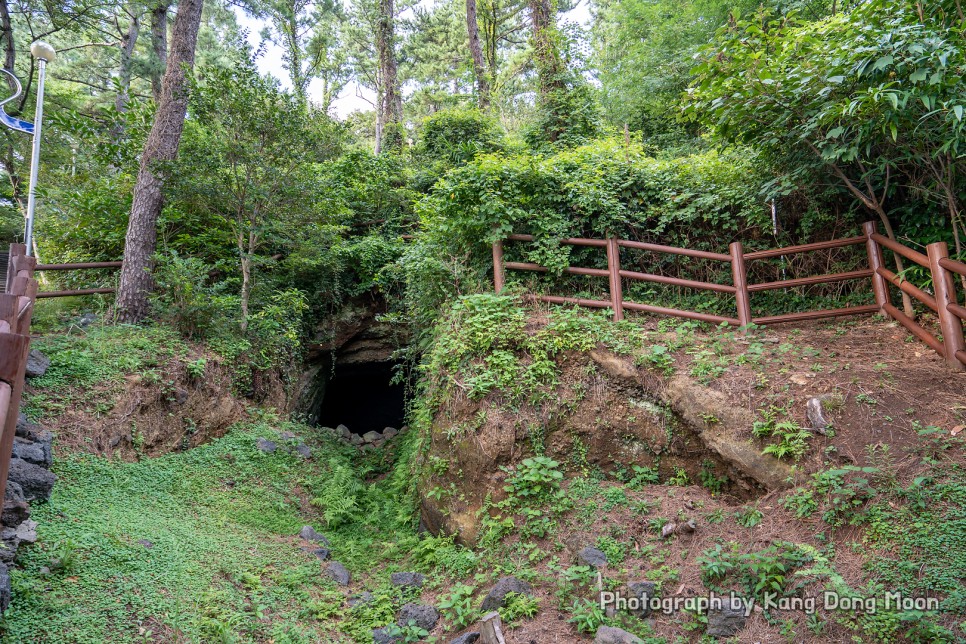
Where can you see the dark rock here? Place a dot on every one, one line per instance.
(816, 416)
(422, 615)
(592, 557)
(5, 591)
(407, 579)
(287, 436)
(645, 591)
(265, 445)
(466, 638)
(496, 598)
(356, 440)
(15, 508)
(180, 396)
(382, 636)
(309, 534)
(344, 432)
(36, 481)
(338, 573)
(726, 619)
(30, 430)
(303, 450)
(38, 453)
(147, 544)
(9, 542)
(27, 531)
(37, 364)
(323, 554)
(611, 635)
(688, 527)
(371, 437)
(361, 599)
(389, 432)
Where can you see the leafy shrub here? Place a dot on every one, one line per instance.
(764, 571)
(185, 295)
(535, 479)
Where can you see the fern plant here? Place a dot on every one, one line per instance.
(340, 497)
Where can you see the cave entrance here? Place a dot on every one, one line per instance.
(361, 396)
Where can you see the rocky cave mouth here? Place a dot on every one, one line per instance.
(362, 397)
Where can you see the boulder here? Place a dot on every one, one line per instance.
(38, 453)
(344, 432)
(30, 430)
(9, 542)
(5, 591)
(611, 635)
(15, 508)
(496, 598)
(592, 557)
(265, 445)
(338, 573)
(423, 615)
(668, 529)
(407, 579)
(309, 534)
(389, 432)
(645, 591)
(303, 450)
(35, 481)
(37, 364)
(323, 554)
(466, 638)
(86, 320)
(726, 619)
(356, 440)
(27, 531)
(371, 437)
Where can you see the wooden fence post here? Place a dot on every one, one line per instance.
(499, 281)
(880, 288)
(945, 289)
(740, 277)
(616, 288)
(21, 288)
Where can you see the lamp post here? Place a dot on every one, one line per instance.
(44, 54)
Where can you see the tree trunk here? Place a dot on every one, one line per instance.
(6, 34)
(129, 41)
(546, 51)
(390, 107)
(9, 59)
(245, 258)
(159, 45)
(479, 68)
(160, 149)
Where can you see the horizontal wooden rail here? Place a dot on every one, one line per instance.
(913, 327)
(569, 241)
(957, 310)
(908, 287)
(804, 248)
(83, 291)
(818, 315)
(905, 251)
(573, 270)
(953, 265)
(658, 248)
(691, 315)
(78, 266)
(555, 299)
(678, 281)
(808, 281)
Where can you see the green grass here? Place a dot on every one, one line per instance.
(223, 566)
(86, 360)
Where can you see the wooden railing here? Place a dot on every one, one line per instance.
(943, 301)
(16, 310)
(76, 267)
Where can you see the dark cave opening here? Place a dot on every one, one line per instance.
(362, 397)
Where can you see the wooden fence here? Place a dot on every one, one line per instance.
(16, 310)
(943, 301)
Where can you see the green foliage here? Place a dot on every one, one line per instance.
(519, 606)
(535, 479)
(456, 135)
(339, 500)
(458, 607)
(766, 571)
(792, 439)
(586, 616)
